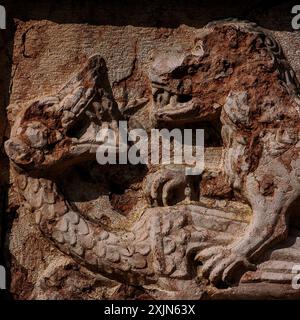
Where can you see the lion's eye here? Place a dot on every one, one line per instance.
(192, 70)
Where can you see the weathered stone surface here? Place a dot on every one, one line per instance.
(85, 231)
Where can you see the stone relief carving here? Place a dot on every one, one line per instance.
(238, 86)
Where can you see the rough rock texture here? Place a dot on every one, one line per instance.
(78, 230)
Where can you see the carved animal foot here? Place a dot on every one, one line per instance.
(169, 186)
(222, 264)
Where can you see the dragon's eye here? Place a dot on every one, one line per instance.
(36, 135)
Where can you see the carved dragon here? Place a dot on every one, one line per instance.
(238, 74)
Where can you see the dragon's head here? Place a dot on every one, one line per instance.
(64, 126)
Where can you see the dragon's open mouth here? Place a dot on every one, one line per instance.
(85, 128)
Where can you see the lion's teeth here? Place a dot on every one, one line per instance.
(173, 100)
(163, 98)
(166, 97)
(154, 90)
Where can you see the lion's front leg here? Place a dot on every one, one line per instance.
(267, 227)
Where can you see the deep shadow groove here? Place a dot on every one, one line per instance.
(6, 217)
(274, 15)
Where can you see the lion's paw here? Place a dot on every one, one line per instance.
(221, 264)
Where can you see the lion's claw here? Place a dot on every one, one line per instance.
(221, 264)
